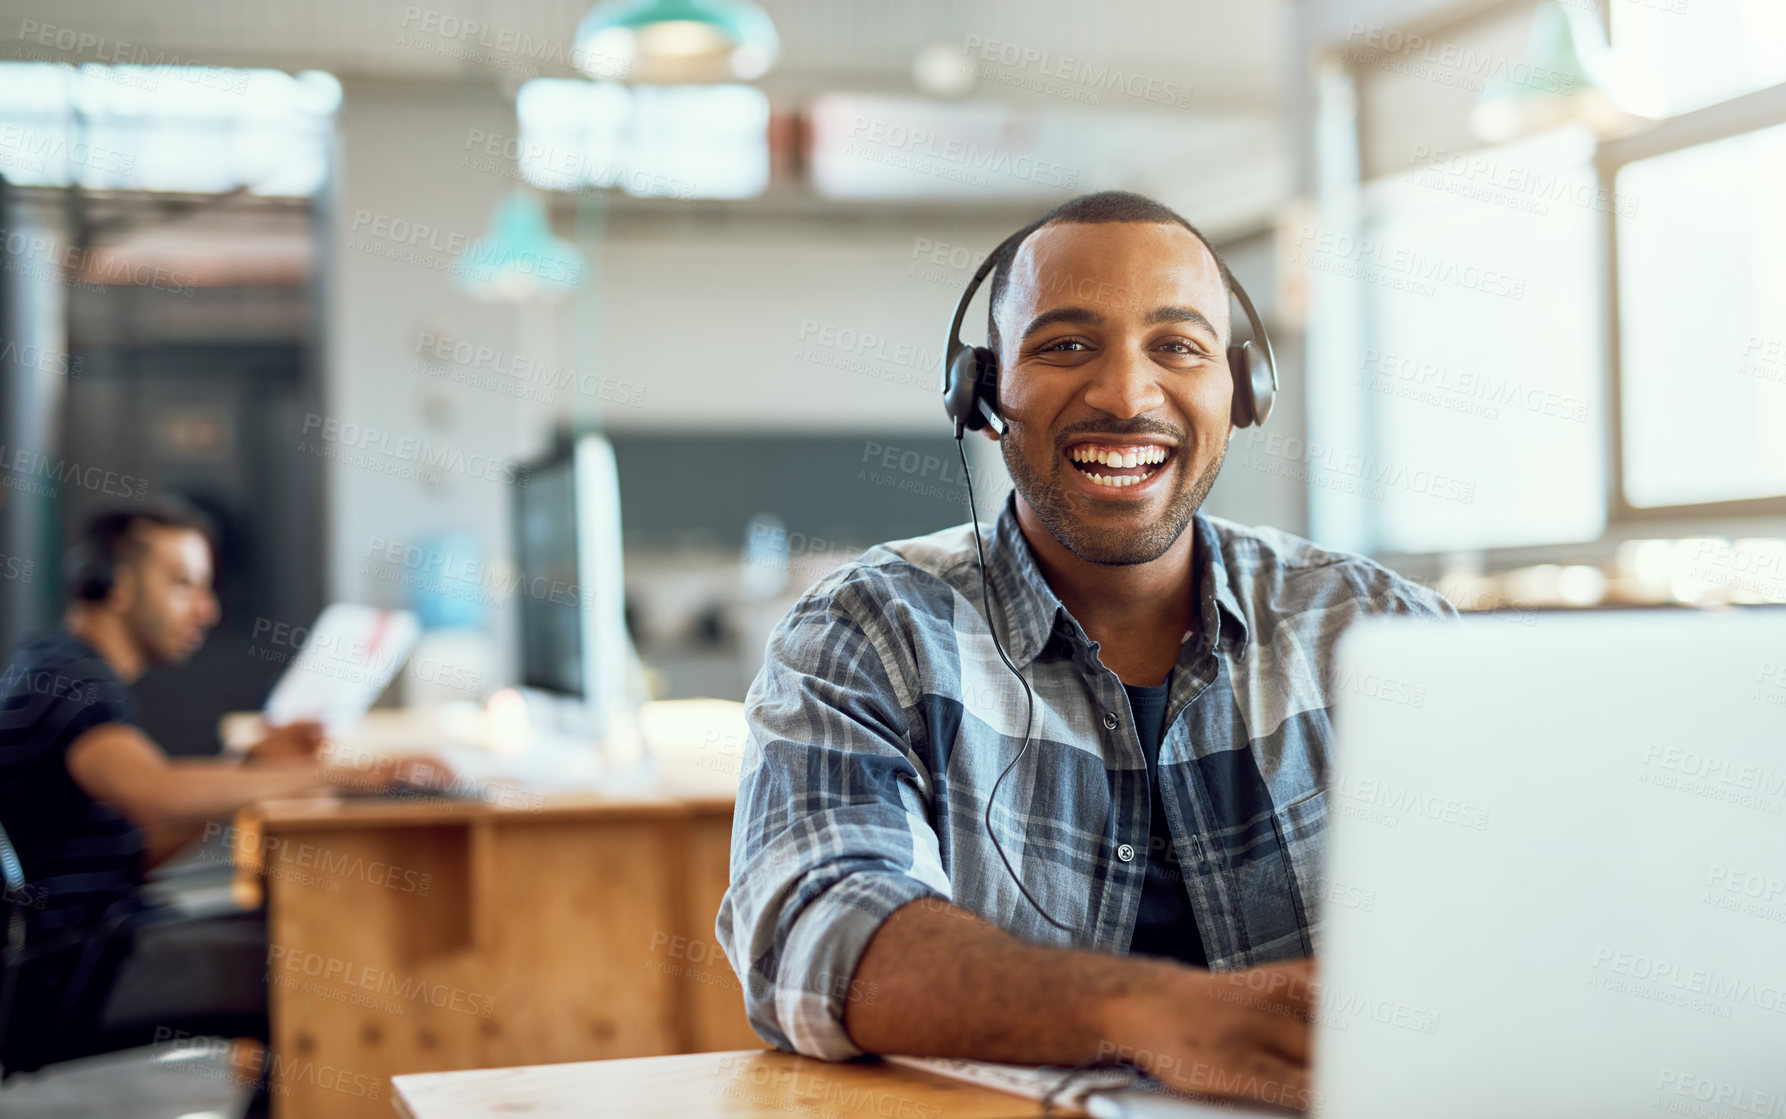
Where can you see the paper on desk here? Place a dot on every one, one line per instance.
(347, 658)
(1031, 1081)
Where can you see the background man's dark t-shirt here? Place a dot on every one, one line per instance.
(79, 856)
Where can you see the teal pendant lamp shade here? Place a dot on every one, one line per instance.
(1569, 75)
(519, 259)
(671, 41)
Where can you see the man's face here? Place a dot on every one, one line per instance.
(1113, 342)
(165, 593)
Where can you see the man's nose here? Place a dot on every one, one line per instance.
(1125, 385)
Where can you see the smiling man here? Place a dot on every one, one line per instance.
(1167, 814)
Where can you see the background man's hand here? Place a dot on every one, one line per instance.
(1234, 1034)
(298, 741)
(372, 776)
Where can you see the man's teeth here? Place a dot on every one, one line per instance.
(1146, 456)
(1118, 480)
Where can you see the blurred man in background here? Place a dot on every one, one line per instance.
(89, 801)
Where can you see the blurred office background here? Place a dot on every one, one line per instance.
(352, 277)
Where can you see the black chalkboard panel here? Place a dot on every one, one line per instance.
(700, 489)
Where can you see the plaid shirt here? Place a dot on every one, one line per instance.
(883, 715)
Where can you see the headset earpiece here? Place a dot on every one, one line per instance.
(1254, 386)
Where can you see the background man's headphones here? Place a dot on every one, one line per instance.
(970, 373)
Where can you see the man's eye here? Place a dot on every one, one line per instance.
(1181, 347)
(1063, 345)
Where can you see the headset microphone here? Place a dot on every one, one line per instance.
(970, 397)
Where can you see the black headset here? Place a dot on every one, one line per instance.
(970, 373)
(91, 565)
(970, 397)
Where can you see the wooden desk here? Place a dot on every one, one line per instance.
(409, 937)
(744, 1085)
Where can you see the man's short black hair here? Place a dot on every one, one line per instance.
(1094, 209)
(113, 538)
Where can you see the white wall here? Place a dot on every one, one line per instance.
(401, 151)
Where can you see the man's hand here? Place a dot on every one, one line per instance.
(292, 742)
(1235, 1034)
(375, 776)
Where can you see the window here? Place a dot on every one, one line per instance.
(1480, 362)
(186, 128)
(700, 141)
(1694, 53)
(1702, 323)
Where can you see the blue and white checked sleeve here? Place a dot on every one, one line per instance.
(832, 829)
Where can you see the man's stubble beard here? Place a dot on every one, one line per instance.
(1053, 504)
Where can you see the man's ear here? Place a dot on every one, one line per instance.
(126, 583)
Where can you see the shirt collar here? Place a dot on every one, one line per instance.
(1029, 610)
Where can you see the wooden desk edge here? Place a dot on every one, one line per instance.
(324, 814)
(1019, 1105)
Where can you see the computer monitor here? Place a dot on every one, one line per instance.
(572, 590)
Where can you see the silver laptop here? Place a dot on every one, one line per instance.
(1556, 871)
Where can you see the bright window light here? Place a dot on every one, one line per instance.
(698, 141)
(1702, 287)
(1480, 381)
(1697, 52)
(186, 128)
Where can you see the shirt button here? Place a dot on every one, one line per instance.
(1125, 853)
(1109, 720)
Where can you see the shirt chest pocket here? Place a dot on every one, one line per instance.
(1301, 828)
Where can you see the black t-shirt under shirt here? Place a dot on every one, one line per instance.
(1164, 926)
(79, 856)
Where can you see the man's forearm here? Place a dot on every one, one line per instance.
(947, 984)
(193, 792)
